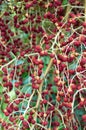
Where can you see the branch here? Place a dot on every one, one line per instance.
(48, 68)
(85, 10)
(74, 96)
(68, 9)
(7, 64)
(40, 90)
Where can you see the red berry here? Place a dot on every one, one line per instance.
(84, 117)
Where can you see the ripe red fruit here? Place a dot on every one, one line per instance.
(63, 58)
(77, 43)
(44, 123)
(40, 66)
(27, 95)
(33, 121)
(69, 105)
(34, 86)
(25, 21)
(73, 86)
(17, 101)
(52, 55)
(84, 24)
(72, 1)
(82, 38)
(58, 98)
(55, 123)
(6, 112)
(47, 15)
(21, 117)
(65, 99)
(25, 123)
(17, 84)
(84, 117)
(44, 101)
(83, 61)
(5, 78)
(79, 68)
(9, 109)
(81, 103)
(71, 72)
(37, 47)
(39, 81)
(56, 79)
(11, 119)
(4, 70)
(27, 6)
(15, 108)
(3, 123)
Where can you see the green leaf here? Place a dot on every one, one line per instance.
(61, 127)
(4, 105)
(24, 37)
(12, 94)
(27, 80)
(19, 62)
(27, 89)
(25, 74)
(1, 89)
(54, 89)
(2, 116)
(46, 60)
(65, 2)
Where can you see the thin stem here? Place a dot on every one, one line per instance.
(74, 96)
(85, 10)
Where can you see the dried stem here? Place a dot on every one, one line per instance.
(85, 10)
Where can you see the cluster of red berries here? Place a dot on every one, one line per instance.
(43, 65)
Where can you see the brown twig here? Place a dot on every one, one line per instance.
(85, 10)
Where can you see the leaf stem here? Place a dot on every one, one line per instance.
(85, 10)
